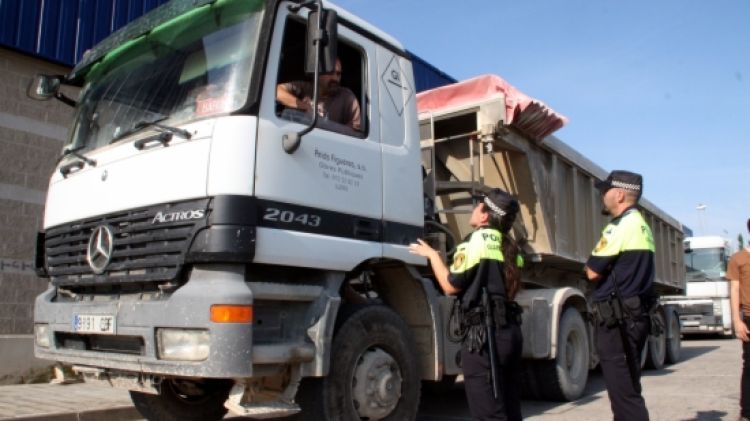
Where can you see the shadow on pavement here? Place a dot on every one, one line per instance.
(451, 405)
(695, 351)
(707, 416)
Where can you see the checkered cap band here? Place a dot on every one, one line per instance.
(493, 207)
(626, 186)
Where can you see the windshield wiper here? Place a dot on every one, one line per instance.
(155, 124)
(174, 130)
(75, 165)
(136, 128)
(75, 153)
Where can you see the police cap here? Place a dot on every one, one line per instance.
(499, 202)
(622, 179)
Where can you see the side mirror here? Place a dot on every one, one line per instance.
(43, 87)
(327, 34)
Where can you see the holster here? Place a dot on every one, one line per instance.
(506, 312)
(499, 312)
(608, 313)
(468, 326)
(614, 311)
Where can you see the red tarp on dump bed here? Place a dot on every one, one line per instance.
(530, 116)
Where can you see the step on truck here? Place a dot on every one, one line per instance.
(705, 307)
(209, 250)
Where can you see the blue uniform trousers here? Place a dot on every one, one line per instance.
(624, 395)
(476, 369)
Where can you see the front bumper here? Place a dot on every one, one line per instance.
(697, 323)
(133, 346)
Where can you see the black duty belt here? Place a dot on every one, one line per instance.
(467, 326)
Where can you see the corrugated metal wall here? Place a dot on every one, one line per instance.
(61, 30)
(427, 76)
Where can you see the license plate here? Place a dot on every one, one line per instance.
(93, 323)
(690, 323)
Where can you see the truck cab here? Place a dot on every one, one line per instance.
(188, 247)
(705, 308)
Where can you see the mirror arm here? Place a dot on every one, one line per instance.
(291, 141)
(294, 8)
(64, 99)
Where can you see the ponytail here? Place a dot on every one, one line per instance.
(510, 249)
(510, 269)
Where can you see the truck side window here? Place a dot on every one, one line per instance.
(341, 93)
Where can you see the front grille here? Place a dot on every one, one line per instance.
(143, 251)
(691, 309)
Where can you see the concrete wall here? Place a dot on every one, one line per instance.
(31, 138)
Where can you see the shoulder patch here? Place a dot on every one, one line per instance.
(601, 245)
(458, 260)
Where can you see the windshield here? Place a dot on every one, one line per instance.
(194, 66)
(705, 264)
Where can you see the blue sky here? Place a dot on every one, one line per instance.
(657, 87)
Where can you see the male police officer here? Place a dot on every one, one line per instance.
(622, 265)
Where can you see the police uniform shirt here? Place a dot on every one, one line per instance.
(625, 252)
(478, 257)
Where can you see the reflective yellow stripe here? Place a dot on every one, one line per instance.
(484, 243)
(630, 233)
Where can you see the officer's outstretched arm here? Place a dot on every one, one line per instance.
(436, 262)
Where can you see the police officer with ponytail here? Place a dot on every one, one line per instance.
(485, 276)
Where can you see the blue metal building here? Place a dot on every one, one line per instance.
(60, 31)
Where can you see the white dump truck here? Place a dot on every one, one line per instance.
(209, 249)
(705, 307)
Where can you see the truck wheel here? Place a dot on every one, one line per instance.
(657, 346)
(184, 400)
(564, 378)
(373, 372)
(674, 344)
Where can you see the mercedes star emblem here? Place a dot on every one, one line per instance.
(99, 251)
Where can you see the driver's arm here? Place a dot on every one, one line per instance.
(286, 97)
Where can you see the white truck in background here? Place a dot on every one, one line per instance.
(705, 306)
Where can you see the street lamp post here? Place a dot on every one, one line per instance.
(701, 208)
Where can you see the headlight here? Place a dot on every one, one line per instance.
(717, 307)
(41, 335)
(182, 344)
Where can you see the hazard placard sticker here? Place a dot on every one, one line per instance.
(397, 85)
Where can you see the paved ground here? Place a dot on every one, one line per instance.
(703, 387)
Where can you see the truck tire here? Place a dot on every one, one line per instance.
(674, 340)
(564, 378)
(373, 373)
(657, 346)
(184, 400)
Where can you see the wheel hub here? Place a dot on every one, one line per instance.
(376, 384)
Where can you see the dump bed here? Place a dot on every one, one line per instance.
(483, 133)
